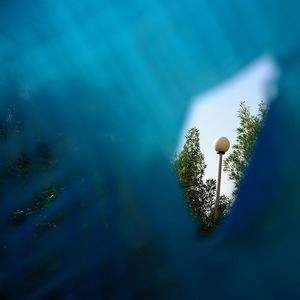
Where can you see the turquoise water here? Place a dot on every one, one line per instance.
(106, 85)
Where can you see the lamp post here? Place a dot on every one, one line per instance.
(221, 146)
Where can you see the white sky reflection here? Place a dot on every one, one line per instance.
(214, 113)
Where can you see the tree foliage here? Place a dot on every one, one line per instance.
(18, 170)
(189, 166)
(236, 163)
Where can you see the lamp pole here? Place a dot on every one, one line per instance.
(221, 146)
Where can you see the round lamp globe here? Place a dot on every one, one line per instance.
(222, 145)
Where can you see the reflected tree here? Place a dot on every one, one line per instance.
(247, 133)
(199, 194)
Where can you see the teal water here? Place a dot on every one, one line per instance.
(106, 85)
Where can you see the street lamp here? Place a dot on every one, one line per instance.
(221, 146)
